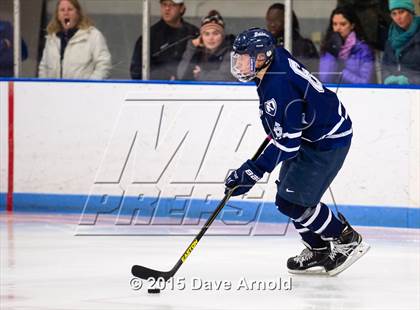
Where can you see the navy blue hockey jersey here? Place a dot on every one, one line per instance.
(296, 108)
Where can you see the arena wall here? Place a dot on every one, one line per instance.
(178, 141)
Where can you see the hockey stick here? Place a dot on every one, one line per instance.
(146, 273)
(333, 199)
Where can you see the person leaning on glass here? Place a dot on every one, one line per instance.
(74, 48)
(207, 57)
(401, 60)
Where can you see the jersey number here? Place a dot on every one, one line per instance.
(302, 72)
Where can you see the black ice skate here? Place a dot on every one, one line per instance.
(345, 250)
(310, 261)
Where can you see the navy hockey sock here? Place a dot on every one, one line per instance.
(318, 220)
(322, 221)
(309, 238)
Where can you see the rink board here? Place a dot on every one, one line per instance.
(175, 143)
(181, 212)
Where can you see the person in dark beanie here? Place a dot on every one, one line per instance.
(169, 37)
(207, 57)
(401, 60)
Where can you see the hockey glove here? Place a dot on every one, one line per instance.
(243, 178)
(334, 44)
(396, 79)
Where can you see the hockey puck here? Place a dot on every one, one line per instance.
(153, 291)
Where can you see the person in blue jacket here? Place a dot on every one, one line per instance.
(311, 133)
(6, 49)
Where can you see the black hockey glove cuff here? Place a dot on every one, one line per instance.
(243, 178)
(334, 44)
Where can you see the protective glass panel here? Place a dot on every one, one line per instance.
(198, 49)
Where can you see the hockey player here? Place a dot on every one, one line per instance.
(311, 134)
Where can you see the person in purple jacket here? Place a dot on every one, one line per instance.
(345, 56)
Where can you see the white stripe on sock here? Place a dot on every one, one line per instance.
(319, 231)
(302, 230)
(313, 217)
(304, 216)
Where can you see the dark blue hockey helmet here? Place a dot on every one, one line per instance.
(249, 46)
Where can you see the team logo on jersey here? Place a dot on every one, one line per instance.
(278, 131)
(304, 122)
(270, 107)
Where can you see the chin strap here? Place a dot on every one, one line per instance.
(266, 63)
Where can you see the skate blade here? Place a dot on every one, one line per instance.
(358, 252)
(318, 270)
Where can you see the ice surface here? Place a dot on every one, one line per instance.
(45, 266)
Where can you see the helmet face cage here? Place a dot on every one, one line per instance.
(246, 50)
(242, 66)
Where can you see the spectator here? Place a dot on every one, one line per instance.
(345, 57)
(74, 49)
(6, 49)
(303, 49)
(170, 35)
(374, 18)
(207, 57)
(401, 61)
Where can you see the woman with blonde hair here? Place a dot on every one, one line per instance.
(74, 48)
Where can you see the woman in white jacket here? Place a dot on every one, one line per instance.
(74, 49)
